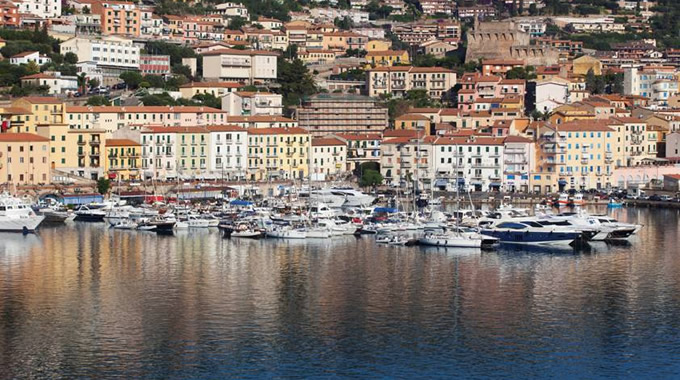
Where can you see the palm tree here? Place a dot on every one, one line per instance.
(82, 82)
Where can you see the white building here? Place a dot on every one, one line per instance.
(112, 55)
(475, 162)
(330, 14)
(329, 156)
(551, 94)
(519, 160)
(245, 103)
(159, 156)
(228, 151)
(246, 66)
(41, 8)
(535, 27)
(398, 80)
(29, 56)
(232, 10)
(658, 83)
(58, 84)
(406, 160)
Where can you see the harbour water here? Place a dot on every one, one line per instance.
(82, 300)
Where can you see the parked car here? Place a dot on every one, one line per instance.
(654, 198)
(666, 198)
(119, 86)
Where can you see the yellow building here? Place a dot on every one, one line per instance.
(378, 45)
(278, 153)
(567, 113)
(575, 155)
(387, 58)
(412, 121)
(123, 159)
(581, 65)
(24, 159)
(74, 151)
(216, 89)
(43, 110)
(62, 148)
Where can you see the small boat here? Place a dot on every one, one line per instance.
(180, 225)
(399, 240)
(87, 214)
(613, 203)
(287, 233)
(247, 234)
(459, 239)
(563, 200)
(126, 225)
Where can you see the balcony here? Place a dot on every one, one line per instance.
(81, 142)
(515, 161)
(94, 142)
(81, 153)
(584, 160)
(636, 132)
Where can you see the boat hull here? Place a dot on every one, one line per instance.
(532, 237)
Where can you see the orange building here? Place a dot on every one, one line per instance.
(24, 159)
(118, 17)
(9, 14)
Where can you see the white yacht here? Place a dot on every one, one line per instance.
(325, 196)
(17, 216)
(353, 198)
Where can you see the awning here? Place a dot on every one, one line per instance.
(476, 183)
(238, 202)
(387, 210)
(495, 184)
(511, 176)
(441, 182)
(461, 180)
(562, 182)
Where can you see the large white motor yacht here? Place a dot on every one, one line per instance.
(17, 216)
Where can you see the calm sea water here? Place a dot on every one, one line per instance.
(85, 301)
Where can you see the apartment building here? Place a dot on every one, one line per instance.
(387, 58)
(658, 83)
(500, 66)
(361, 147)
(118, 17)
(25, 57)
(633, 142)
(25, 159)
(245, 66)
(262, 121)
(57, 83)
(437, 81)
(9, 14)
(474, 163)
(232, 10)
(324, 114)
(107, 56)
(39, 8)
(113, 118)
(123, 159)
(75, 152)
(228, 152)
(159, 151)
(278, 153)
(216, 89)
(328, 157)
(154, 64)
(476, 87)
(247, 103)
(574, 155)
(39, 110)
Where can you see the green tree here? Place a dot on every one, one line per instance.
(98, 100)
(295, 81)
(82, 81)
(94, 82)
(132, 79)
(237, 23)
(371, 178)
(103, 185)
(71, 58)
(208, 100)
(86, 10)
(32, 67)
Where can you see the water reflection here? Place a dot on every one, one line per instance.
(86, 301)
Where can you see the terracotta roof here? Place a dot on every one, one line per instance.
(413, 116)
(327, 141)
(503, 62)
(41, 99)
(629, 120)
(212, 84)
(259, 118)
(584, 125)
(22, 137)
(142, 109)
(359, 137)
(430, 70)
(224, 128)
(239, 52)
(24, 54)
(411, 133)
(39, 76)
(513, 81)
(14, 110)
(278, 131)
(516, 139)
(424, 110)
(173, 129)
(383, 53)
(121, 142)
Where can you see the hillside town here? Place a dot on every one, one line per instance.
(532, 96)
